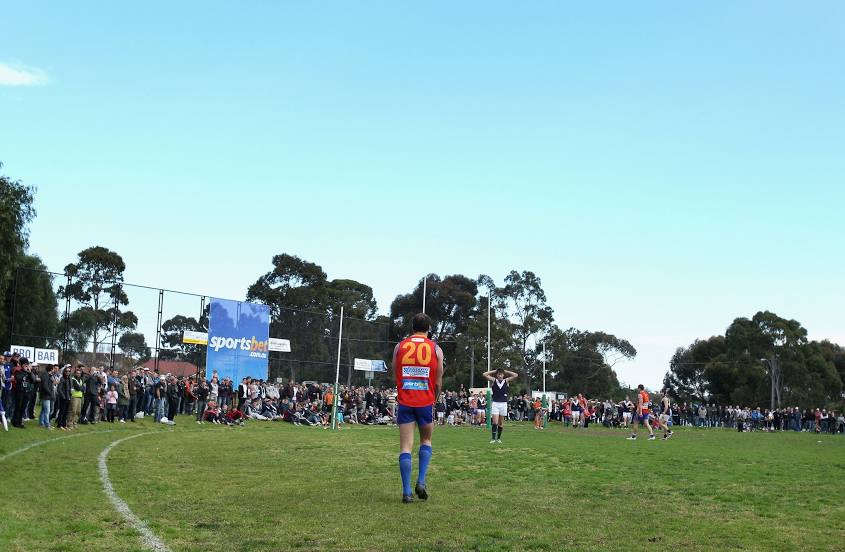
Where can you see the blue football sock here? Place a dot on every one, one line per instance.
(424, 456)
(405, 469)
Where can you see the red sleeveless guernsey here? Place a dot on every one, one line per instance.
(416, 371)
(646, 401)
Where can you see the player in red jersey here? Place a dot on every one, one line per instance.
(418, 369)
(643, 405)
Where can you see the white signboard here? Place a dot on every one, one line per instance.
(39, 356)
(196, 338)
(47, 356)
(25, 352)
(370, 365)
(281, 345)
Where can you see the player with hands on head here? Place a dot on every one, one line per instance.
(499, 379)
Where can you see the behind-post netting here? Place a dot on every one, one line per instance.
(314, 339)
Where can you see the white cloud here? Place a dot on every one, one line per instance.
(21, 75)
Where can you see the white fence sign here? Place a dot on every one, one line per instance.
(196, 338)
(40, 356)
(370, 365)
(281, 345)
(25, 352)
(47, 356)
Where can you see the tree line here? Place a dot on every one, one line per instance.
(735, 368)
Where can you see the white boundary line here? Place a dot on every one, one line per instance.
(45, 441)
(148, 538)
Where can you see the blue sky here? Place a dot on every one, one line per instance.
(662, 168)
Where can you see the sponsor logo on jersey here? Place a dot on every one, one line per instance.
(415, 385)
(415, 371)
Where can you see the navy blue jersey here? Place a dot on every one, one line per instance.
(500, 391)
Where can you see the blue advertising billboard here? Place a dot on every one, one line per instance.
(238, 340)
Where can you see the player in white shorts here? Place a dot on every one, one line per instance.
(576, 413)
(665, 415)
(499, 410)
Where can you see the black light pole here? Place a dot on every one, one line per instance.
(472, 365)
(14, 310)
(67, 318)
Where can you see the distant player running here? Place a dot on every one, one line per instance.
(418, 368)
(499, 408)
(665, 415)
(642, 414)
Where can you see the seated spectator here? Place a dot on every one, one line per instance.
(252, 409)
(212, 413)
(232, 416)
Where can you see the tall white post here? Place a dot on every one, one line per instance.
(337, 371)
(425, 289)
(544, 366)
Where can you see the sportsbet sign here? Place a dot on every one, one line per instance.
(238, 339)
(257, 349)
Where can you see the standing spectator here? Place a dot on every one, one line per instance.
(149, 398)
(702, 415)
(538, 417)
(91, 406)
(368, 398)
(6, 391)
(139, 396)
(202, 400)
(243, 393)
(214, 389)
(159, 396)
(47, 390)
(23, 384)
(112, 378)
(63, 391)
(567, 413)
(132, 392)
(225, 391)
(111, 403)
(180, 385)
(253, 389)
(123, 399)
(77, 390)
(172, 399)
(32, 395)
(189, 399)
(777, 420)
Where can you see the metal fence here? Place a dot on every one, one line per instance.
(98, 329)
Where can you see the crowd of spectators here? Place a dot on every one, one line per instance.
(72, 395)
(76, 395)
(701, 415)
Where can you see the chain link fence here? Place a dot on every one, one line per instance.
(122, 326)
